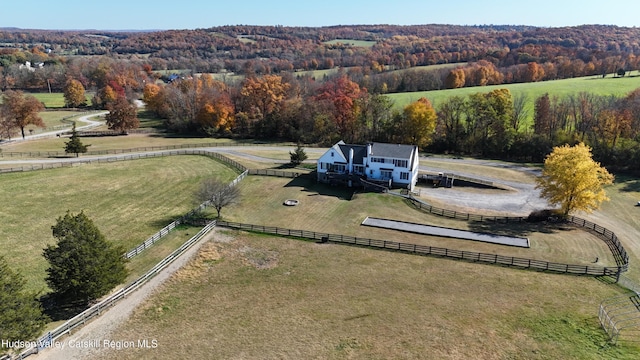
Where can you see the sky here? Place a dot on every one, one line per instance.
(194, 14)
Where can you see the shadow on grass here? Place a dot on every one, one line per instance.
(313, 188)
(522, 229)
(161, 223)
(631, 186)
(58, 309)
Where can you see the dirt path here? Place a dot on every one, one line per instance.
(89, 339)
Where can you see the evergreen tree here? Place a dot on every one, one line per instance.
(83, 265)
(21, 317)
(74, 145)
(298, 156)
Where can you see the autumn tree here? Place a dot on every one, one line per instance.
(83, 265)
(20, 110)
(75, 145)
(21, 317)
(122, 115)
(341, 96)
(455, 79)
(451, 122)
(489, 121)
(418, 123)
(534, 72)
(542, 118)
(265, 93)
(74, 94)
(153, 99)
(572, 179)
(216, 193)
(216, 112)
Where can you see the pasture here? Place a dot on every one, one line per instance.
(267, 297)
(351, 42)
(131, 141)
(610, 85)
(128, 200)
(328, 209)
(55, 100)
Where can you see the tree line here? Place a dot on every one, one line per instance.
(259, 50)
(493, 124)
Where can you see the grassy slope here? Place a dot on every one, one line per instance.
(129, 201)
(249, 297)
(561, 88)
(266, 297)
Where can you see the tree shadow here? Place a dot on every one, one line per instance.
(521, 229)
(631, 185)
(309, 185)
(58, 309)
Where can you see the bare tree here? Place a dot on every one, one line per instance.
(217, 194)
(520, 111)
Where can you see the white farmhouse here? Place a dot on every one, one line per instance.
(393, 165)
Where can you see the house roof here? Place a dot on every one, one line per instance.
(359, 152)
(397, 151)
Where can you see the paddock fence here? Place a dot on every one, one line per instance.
(167, 229)
(609, 237)
(65, 329)
(54, 154)
(510, 261)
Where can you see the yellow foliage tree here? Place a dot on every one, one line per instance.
(74, 93)
(573, 180)
(419, 123)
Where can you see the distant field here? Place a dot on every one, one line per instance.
(351, 42)
(55, 100)
(432, 67)
(128, 200)
(592, 84)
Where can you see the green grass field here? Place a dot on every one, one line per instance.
(268, 297)
(249, 296)
(561, 88)
(351, 42)
(129, 201)
(54, 100)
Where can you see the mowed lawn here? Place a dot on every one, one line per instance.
(128, 200)
(333, 210)
(260, 297)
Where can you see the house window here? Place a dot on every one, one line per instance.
(377, 160)
(358, 169)
(386, 174)
(404, 176)
(400, 163)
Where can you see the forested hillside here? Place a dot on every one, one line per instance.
(278, 90)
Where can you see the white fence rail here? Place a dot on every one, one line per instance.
(105, 304)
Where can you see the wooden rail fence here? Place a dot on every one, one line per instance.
(431, 250)
(617, 249)
(111, 300)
